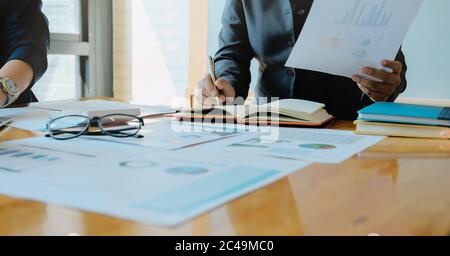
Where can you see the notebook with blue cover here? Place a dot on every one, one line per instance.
(406, 114)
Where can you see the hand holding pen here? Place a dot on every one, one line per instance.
(212, 74)
(213, 91)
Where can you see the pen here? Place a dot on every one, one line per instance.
(212, 73)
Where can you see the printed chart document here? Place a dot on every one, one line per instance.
(173, 136)
(130, 182)
(310, 145)
(165, 185)
(342, 37)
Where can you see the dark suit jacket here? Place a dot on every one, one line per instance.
(24, 35)
(264, 29)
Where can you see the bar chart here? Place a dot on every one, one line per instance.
(362, 14)
(32, 156)
(4, 152)
(22, 156)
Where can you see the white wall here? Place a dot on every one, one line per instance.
(427, 49)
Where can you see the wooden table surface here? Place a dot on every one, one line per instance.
(398, 187)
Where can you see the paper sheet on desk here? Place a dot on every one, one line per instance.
(130, 182)
(161, 186)
(100, 105)
(342, 37)
(27, 118)
(36, 116)
(168, 135)
(310, 145)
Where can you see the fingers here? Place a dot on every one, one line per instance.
(382, 75)
(370, 84)
(390, 81)
(395, 66)
(206, 93)
(225, 88)
(221, 84)
(387, 77)
(222, 98)
(208, 88)
(375, 96)
(375, 90)
(209, 102)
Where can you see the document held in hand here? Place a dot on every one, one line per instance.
(342, 37)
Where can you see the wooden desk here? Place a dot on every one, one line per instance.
(398, 187)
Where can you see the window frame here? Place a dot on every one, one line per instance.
(92, 46)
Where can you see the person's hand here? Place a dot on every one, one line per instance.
(390, 81)
(207, 92)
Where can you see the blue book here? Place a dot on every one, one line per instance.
(406, 114)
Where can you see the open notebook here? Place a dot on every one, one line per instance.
(289, 112)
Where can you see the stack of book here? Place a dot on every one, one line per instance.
(404, 120)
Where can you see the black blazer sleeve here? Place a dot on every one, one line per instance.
(235, 54)
(401, 57)
(26, 35)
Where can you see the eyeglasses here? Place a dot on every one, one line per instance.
(74, 126)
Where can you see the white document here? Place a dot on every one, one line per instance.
(310, 145)
(129, 182)
(173, 136)
(342, 37)
(98, 106)
(36, 116)
(160, 186)
(27, 118)
(34, 156)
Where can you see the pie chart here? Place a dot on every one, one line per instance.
(138, 164)
(187, 170)
(317, 146)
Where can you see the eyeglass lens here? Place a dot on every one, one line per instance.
(68, 127)
(120, 125)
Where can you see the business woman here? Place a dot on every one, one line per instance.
(24, 41)
(267, 30)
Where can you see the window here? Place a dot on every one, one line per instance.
(77, 27)
(169, 22)
(64, 16)
(153, 48)
(160, 50)
(62, 80)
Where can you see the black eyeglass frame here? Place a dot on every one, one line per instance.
(95, 121)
